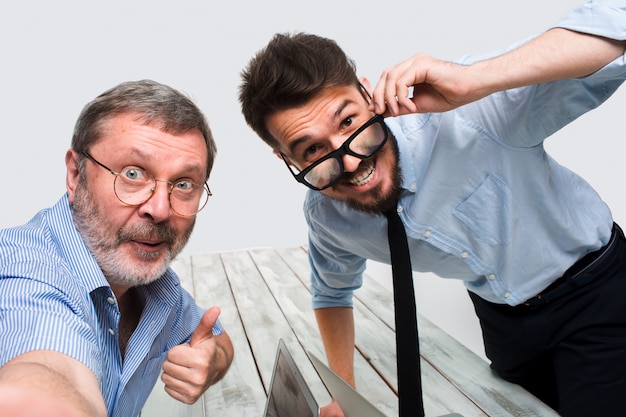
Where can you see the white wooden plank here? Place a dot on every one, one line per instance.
(291, 296)
(265, 321)
(182, 266)
(240, 392)
(474, 377)
(160, 404)
(293, 300)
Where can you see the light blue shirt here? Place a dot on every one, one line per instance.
(482, 201)
(53, 296)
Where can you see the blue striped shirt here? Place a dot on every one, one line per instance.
(53, 296)
(482, 201)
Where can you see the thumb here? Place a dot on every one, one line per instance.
(204, 331)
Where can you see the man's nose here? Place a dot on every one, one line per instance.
(351, 163)
(158, 206)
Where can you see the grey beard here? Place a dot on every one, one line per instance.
(90, 223)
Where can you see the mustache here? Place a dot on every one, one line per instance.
(153, 232)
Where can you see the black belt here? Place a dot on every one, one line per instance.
(578, 274)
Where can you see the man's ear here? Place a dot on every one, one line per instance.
(72, 173)
(282, 157)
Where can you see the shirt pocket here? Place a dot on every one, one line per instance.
(487, 211)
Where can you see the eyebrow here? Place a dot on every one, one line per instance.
(336, 115)
(192, 168)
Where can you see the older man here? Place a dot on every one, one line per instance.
(90, 311)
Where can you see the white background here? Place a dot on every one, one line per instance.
(58, 55)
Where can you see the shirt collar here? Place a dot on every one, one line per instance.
(413, 156)
(404, 159)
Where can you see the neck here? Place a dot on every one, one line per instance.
(119, 290)
(131, 307)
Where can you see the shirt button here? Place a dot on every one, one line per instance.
(507, 294)
(111, 332)
(464, 255)
(427, 234)
(412, 187)
(111, 300)
(492, 276)
(399, 209)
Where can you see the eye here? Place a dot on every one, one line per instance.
(133, 174)
(186, 186)
(347, 122)
(311, 152)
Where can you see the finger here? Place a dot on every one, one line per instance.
(390, 93)
(183, 383)
(384, 96)
(180, 359)
(180, 395)
(204, 331)
(378, 96)
(406, 105)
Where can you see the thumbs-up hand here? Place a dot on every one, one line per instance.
(191, 368)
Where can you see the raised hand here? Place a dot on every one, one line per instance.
(191, 368)
(424, 84)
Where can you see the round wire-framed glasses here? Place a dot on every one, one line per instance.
(134, 186)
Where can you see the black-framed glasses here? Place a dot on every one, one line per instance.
(327, 170)
(134, 186)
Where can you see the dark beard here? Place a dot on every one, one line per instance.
(382, 203)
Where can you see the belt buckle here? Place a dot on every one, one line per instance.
(538, 297)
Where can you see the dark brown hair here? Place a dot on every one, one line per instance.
(289, 72)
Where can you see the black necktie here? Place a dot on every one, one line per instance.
(407, 339)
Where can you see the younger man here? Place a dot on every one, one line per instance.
(463, 161)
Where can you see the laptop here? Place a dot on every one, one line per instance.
(350, 401)
(290, 396)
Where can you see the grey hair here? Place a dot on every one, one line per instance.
(155, 104)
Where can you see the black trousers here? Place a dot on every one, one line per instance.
(570, 352)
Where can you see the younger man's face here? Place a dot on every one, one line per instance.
(321, 126)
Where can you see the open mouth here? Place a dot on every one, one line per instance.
(365, 174)
(149, 243)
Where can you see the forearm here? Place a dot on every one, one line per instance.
(336, 325)
(53, 381)
(557, 54)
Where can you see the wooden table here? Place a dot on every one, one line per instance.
(264, 296)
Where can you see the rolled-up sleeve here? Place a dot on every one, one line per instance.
(335, 274)
(336, 271)
(605, 18)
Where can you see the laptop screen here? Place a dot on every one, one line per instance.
(289, 395)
